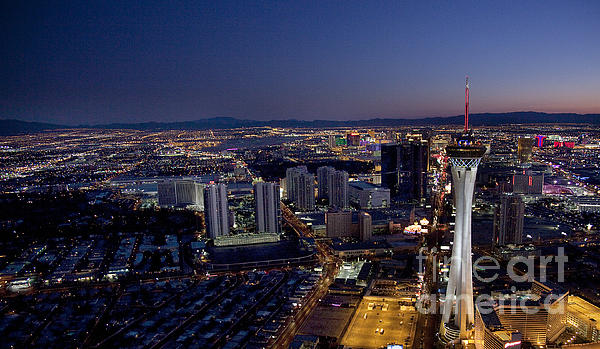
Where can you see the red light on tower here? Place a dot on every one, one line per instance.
(467, 106)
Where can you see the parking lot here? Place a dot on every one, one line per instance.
(380, 321)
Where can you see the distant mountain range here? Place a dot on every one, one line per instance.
(15, 127)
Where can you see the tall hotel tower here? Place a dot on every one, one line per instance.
(267, 211)
(300, 188)
(216, 210)
(465, 154)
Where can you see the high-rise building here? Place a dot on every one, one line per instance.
(509, 214)
(528, 182)
(180, 193)
(337, 189)
(525, 150)
(365, 226)
(166, 193)
(216, 210)
(300, 188)
(292, 175)
(404, 169)
(353, 139)
(338, 224)
(331, 141)
(322, 180)
(186, 192)
(465, 154)
(267, 211)
(389, 167)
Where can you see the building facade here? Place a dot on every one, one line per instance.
(491, 334)
(180, 193)
(404, 169)
(322, 181)
(337, 189)
(528, 182)
(366, 195)
(338, 224)
(525, 150)
(365, 226)
(509, 216)
(216, 210)
(331, 141)
(246, 239)
(300, 188)
(353, 139)
(166, 193)
(267, 212)
(583, 317)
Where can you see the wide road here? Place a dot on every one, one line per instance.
(428, 324)
(330, 264)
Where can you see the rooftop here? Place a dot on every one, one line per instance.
(363, 185)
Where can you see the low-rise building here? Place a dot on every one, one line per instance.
(246, 239)
(367, 195)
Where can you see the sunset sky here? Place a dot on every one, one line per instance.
(103, 61)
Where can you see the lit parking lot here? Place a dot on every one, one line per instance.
(378, 323)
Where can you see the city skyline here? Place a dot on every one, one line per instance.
(300, 175)
(104, 63)
(187, 223)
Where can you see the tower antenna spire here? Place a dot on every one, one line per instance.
(467, 105)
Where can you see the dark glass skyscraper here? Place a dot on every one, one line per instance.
(404, 169)
(389, 167)
(509, 215)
